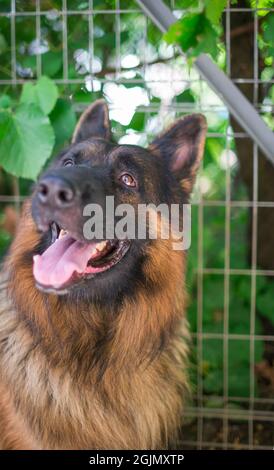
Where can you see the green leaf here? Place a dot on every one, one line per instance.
(207, 41)
(63, 120)
(214, 10)
(195, 34)
(212, 366)
(239, 365)
(262, 4)
(265, 303)
(51, 63)
(44, 94)
(185, 31)
(138, 121)
(189, 3)
(186, 97)
(3, 44)
(5, 101)
(213, 382)
(268, 33)
(29, 62)
(26, 141)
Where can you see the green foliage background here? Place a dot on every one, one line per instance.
(37, 117)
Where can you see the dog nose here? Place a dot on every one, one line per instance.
(55, 191)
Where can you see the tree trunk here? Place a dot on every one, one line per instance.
(242, 66)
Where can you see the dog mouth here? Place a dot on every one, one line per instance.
(68, 260)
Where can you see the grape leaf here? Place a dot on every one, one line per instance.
(26, 140)
(207, 41)
(185, 31)
(195, 34)
(44, 94)
(63, 120)
(214, 10)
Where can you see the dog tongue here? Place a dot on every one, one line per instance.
(58, 263)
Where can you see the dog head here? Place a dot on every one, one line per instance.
(93, 171)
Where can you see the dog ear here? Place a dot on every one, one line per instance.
(94, 122)
(182, 146)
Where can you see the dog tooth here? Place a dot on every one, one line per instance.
(100, 246)
(62, 233)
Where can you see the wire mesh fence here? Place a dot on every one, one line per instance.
(108, 47)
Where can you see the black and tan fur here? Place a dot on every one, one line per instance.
(86, 370)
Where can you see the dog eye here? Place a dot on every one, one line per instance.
(68, 162)
(128, 180)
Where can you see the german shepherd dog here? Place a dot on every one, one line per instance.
(93, 334)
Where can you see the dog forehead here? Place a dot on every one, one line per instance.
(93, 151)
(98, 152)
(94, 148)
(133, 154)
